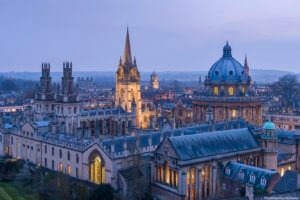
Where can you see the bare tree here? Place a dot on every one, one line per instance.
(287, 88)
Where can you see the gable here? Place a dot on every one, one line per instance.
(166, 148)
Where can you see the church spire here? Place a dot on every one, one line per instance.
(127, 51)
(246, 67)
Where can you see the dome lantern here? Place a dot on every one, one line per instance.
(227, 50)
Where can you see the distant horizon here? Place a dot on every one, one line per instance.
(172, 71)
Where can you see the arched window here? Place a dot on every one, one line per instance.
(216, 90)
(97, 168)
(230, 91)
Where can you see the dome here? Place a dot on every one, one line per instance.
(227, 70)
(269, 125)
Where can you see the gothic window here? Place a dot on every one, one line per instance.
(191, 184)
(241, 175)
(69, 155)
(69, 169)
(52, 151)
(205, 181)
(60, 153)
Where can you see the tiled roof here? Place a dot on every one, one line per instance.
(206, 144)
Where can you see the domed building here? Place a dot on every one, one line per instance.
(227, 93)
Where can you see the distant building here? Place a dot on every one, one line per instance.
(154, 81)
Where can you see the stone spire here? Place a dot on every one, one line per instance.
(246, 67)
(127, 51)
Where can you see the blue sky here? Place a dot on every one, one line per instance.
(166, 35)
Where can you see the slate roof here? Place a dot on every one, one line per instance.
(242, 173)
(207, 144)
(288, 182)
(155, 136)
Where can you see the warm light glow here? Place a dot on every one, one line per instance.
(243, 90)
(289, 167)
(167, 172)
(60, 167)
(281, 172)
(216, 90)
(69, 169)
(234, 113)
(97, 171)
(230, 91)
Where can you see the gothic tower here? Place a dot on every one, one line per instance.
(45, 79)
(67, 103)
(44, 98)
(128, 88)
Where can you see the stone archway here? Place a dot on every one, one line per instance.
(96, 167)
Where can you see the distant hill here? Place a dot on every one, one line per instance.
(258, 75)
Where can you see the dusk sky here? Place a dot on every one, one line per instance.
(165, 35)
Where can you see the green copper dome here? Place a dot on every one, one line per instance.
(269, 125)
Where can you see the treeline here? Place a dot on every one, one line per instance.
(287, 90)
(10, 85)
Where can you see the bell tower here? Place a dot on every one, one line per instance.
(128, 88)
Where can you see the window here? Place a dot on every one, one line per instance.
(52, 151)
(233, 113)
(216, 90)
(52, 165)
(31, 134)
(69, 169)
(0, 138)
(191, 184)
(243, 89)
(252, 178)
(60, 167)
(12, 140)
(62, 110)
(45, 149)
(69, 110)
(77, 172)
(263, 181)
(77, 158)
(46, 162)
(205, 181)
(69, 155)
(60, 153)
(75, 110)
(230, 91)
(166, 172)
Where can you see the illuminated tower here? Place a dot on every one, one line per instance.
(128, 86)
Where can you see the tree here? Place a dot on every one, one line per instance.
(287, 88)
(9, 85)
(102, 192)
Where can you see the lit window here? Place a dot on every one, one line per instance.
(216, 90)
(234, 113)
(230, 91)
(60, 167)
(69, 169)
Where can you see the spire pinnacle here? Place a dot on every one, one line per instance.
(246, 67)
(127, 51)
